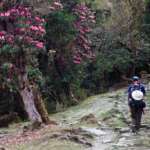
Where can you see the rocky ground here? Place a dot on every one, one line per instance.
(100, 123)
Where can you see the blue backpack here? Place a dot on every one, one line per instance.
(132, 88)
(133, 103)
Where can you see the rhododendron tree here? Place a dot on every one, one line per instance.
(22, 38)
(67, 33)
(21, 31)
(83, 23)
(83, 18)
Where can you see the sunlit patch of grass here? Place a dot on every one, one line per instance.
(118, 123)
(114, 118)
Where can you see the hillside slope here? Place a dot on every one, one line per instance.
(99, 122)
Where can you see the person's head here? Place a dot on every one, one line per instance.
(135, 79)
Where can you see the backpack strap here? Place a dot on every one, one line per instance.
(136, 87)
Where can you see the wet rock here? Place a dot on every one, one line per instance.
(124, 130)
(122, 142)
(126, 134)
(94, 131)
(89, 119)
(145, 126)
(107, 141)
(125, 142)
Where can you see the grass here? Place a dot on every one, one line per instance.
(114, 118)
(49, 144)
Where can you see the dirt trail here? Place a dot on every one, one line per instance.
(99, 123)
(122, 138)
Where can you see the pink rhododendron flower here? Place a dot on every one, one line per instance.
(2, 33)
(10, 39)
(28, 39)
(22, 29)
(34, 28)
(39, 45)
(87, 29)
(77, 62)
(28, 22)
(82, 17)
(5, 14)
(38, 19)
(41, 29)
(82, 31)
(2, 38)
(37, 28)
(92, 17)
(2, 14)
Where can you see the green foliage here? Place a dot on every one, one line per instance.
(78, 75)
(147, 1)
(146, 20)
(8, 49)
(7, 78)
(5, 67)
(114, 58)
(60, 29)
(35, 75)
(89, 77)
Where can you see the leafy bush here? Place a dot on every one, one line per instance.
(60, 29)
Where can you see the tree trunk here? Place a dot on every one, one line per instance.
(40, 105)
(27, 95)
(31, 97)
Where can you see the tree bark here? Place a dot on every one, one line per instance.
(40, 105)
(27, 95)
(30, 94)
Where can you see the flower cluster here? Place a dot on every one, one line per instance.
(19, 11)
(83, 45)
(6, 38)
(23, 26)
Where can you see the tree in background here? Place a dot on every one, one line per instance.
(119, 44)
(128, 26)
(66, 34)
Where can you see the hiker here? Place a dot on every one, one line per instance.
(136, 93)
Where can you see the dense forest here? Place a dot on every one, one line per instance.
(54, 54)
